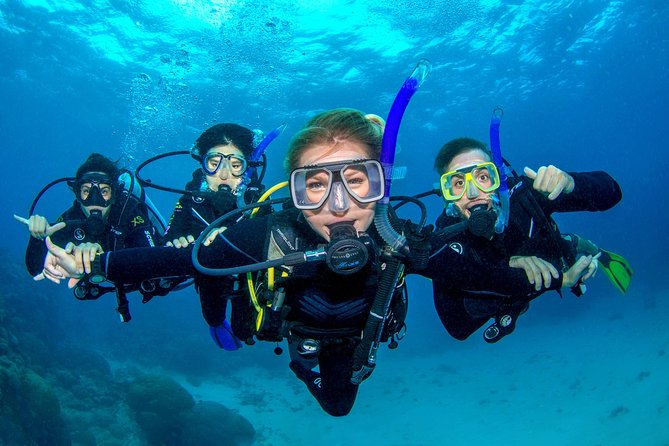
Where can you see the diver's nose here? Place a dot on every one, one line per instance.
(472, 190)
(223, 172)
(338, 201)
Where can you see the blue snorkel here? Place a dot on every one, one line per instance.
(364, 356)
(387, 158)
(503, 190)
(253, 162)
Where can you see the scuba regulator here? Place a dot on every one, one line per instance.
(347, 253)
(482, 221)
(94, 225)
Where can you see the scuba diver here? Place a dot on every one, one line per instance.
(225, 180)
(493, 227)
(325, 300)
(331, 267)
(104, 217)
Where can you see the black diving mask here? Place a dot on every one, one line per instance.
(348, 252)
(94, 189)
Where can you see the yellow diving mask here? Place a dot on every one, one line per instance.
(484, 176)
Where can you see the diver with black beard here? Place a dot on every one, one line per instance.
(477, 284)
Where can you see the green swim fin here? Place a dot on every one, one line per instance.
(616, 268)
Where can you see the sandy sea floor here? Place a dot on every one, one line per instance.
(585, 372)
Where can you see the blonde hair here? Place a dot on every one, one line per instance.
(333, 127)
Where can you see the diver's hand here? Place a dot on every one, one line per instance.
(39, 227)
(550, 181)
(539, 272)
(84, 255)
(592, 268)
(51, 270)
(59, 264)
(582, 270)
(181, 242)
(212, 235)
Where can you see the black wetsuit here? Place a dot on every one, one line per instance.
(319, 304)
(192, 214)
(127, 226)
(472, 281)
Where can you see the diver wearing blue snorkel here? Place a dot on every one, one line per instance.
(220, 184)
(508, 223)
(338, 293)
(232, 166)
(226, 179)
(324, 305)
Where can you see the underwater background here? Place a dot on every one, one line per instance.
(584, 85)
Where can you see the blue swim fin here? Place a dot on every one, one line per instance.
(224, 337)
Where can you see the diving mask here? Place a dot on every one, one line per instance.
(483, 176)
(212, 163)
(311, 186)
(94, 189)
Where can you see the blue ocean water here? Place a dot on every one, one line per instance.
(584, 86)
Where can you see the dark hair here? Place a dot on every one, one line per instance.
(99, 163)
(224, 134)
(334, 126)
(454, 148)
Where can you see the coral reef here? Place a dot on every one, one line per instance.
(30, 410)
(208, 420)
(57, 388)
(167, 415)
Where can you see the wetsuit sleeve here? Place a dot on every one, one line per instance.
(243, 244)
(35, 254)
(137, 264)
(463, 272)
(593, 191)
